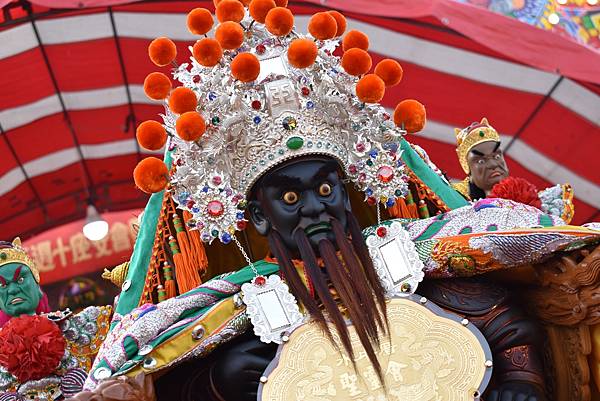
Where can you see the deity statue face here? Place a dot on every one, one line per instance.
(487, 165)
(20, 294)
(303, 194)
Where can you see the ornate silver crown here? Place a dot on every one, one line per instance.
(284, 114)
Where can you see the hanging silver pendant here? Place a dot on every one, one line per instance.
(272, 309)
(395, 259)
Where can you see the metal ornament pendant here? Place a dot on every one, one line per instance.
(272, 309)
(395, 259)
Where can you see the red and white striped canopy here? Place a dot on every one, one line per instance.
(71, 96)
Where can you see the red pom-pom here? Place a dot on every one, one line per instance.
(157, 86)
(370, 89)
(31, 347)
(230, 35)
(162, 51)
(190, 126)
(340, 21)
(182, 99)
(199, 21)
(279, 21)
(322, 26)
(230, 10)
(260, 8)
(354, 39)
(390, 71)
(151, 135)
(207, 52)
(245, 67)
(302, 53)
(151, 175)
(356, 62)
(518, 190)
(410, 115)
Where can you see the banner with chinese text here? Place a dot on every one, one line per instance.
(64, 252)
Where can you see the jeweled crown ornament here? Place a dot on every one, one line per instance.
(259, 94)
(471, 136)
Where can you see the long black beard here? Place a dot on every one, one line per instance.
(352, 277)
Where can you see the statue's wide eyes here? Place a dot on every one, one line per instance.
(21, 280)
(325, 189)
(290, 197)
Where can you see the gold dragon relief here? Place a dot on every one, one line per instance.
(426, 357)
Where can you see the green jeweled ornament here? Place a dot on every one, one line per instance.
(294, 143)
(481, 134)
(215, 120)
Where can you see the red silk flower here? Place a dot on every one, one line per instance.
(518, 190)
(31, 347)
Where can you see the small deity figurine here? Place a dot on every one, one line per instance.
(481, 157)
(20, 293)
(43, 355)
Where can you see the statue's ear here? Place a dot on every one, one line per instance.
(258, 218)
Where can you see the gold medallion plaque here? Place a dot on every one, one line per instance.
(429, 357)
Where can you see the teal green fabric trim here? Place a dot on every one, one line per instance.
(432, 230)
(445, 192)
(546, 221)
(142, 251)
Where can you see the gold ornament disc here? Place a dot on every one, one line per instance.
(429, 357)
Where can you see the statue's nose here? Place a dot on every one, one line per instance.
(311, 205)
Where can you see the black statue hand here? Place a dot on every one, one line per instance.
(515, 391)
(235, 376)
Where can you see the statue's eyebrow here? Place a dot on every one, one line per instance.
(476, 152)
(2, 280)
(283, 181)
(17, 273)
(497, 146)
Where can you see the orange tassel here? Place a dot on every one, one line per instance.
(187, 279)
(404, 208)
(170, 289)
(196, 244)
(189, 257)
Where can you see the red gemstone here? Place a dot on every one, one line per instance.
(215, 208)
(385, 174)
(371, 201)
(381, 232)
(386, 116)
(217, 180)
(179, 162)
(260, 49)
(305, 91)
(241, 225)
(260, 280)
(360, 147)
(353, 169)
(190, 204)
(196, 78)
(362, 177)
(256, 105)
